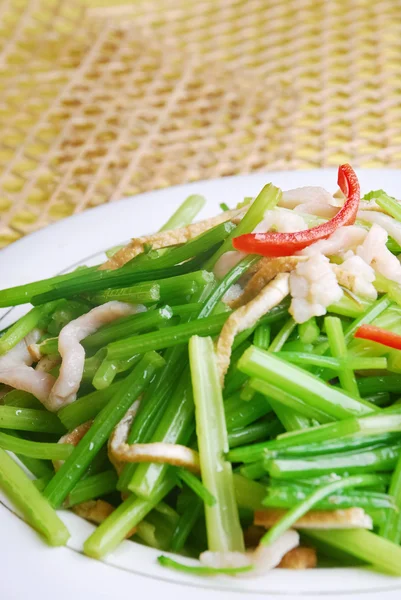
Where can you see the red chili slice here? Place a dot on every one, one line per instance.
(286, 244)
(379, 335)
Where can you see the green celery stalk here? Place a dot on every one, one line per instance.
(87, 407)
(261, 430)
(335, 364)
(35, 508)
(290, 419)
(92, 487)
(379, 383)
(31, 449)
(21, 399)
(261, 338)
(290, 494)
(289, 378)
(196, 486)
(175, 428)
(391, 528)
(165, 561)
(389, 204)
(309, 331)
(368, 461)
(185, 213)
(126, 516)
(248, 494)
(165, 338)
(365, 545)
(77, 463)
(222, 520)
(23, 326)
(282, 336)
(372, 313)
(338, 347)
(186, 523)
(29, 419)
(298, 511)
(267, 199)
(127, 326)
(230, 278)
(290, 401)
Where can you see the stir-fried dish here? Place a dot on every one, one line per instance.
(226, 390)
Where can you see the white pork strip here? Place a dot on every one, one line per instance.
(246, 316)
(392, 226)
(343, 239)
(17, 372)
(263, 559)
(72, 352)
(164, 239)
(311, 200)
(375, 253)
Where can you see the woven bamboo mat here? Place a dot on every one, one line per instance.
(100, 103)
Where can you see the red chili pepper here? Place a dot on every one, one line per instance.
(286, 244)
(379, 335)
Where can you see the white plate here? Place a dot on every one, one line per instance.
(28, 566)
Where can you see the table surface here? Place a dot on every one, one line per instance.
(105, 99)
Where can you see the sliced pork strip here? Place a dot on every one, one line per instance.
(299, 559)
(72, 352)
(390, 225)
(348, 518)
(262, 559)
(313, 286)
(375, 253)
(356, 275)
(169, 238)
(97, 511)
(247, 316)
(343, 239)
(17, 372)
(317, 196)
(269, 268)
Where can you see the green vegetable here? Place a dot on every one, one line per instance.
(185, 213)
(186, 523)
(77, 463)
(283, 335)
(35, 508)
(165, 338)
(298, 511)
(35, 449)
(92, 487)
(266, 366)
(23, 326)
(371, 548)
(338, 347)
(121, 521)
(368, 461)
(196, 486)
(165, 561)
(222, 520)
(267, 199)
(29, 419)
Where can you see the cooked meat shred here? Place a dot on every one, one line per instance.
(348, 518)
(247, 316)
(299, 559)
(17, 372)
(72, 352)
(165, 239)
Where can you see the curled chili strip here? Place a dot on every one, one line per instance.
(285, 244)
(379, 335)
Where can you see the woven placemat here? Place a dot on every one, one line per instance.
(102, 103)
